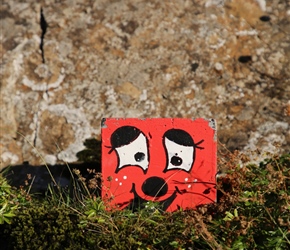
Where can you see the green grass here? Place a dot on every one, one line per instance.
(252, 213)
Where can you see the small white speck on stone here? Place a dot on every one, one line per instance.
(218, 66)
(168, 77)
(42, 71)
(143, 96)
(50, 159)
(254, 58)
(125, 177)
(262, 4)
(251, 32)
(218, 3)
(45, 96)
(219, 44)
(8, 156)
(260, 51)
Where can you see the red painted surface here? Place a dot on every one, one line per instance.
(170, 161)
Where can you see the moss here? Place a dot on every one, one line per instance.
(45, 226)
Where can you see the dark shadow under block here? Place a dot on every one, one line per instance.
(38, 178)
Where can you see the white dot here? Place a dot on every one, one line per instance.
(186, 179)
(195, 180)
(120, 183)
(116, 179)
(218, 66)
(189, 186)
(125, 177)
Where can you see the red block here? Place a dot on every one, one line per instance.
(169, 161)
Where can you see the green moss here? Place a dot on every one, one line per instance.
(45, 226)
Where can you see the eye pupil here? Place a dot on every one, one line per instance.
(139, 156)
(176, 161)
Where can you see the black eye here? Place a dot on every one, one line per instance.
(176, 161)
(139, 156)
(206, 191)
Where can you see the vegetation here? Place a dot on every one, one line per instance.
(253, 212)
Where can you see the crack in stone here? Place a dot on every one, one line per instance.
(43, 26)
(36, 121)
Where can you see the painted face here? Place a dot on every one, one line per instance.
(170, 161)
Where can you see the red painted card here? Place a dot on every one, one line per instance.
(171, 161)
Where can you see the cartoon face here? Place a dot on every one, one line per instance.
(170, 161)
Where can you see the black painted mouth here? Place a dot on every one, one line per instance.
(138, 202)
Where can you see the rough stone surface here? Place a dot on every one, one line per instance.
(228, 60)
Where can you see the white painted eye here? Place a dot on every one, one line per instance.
(134, 154)
(178, 156)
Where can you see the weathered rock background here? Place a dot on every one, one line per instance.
(65, 68)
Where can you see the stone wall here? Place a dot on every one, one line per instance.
(66, 64)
